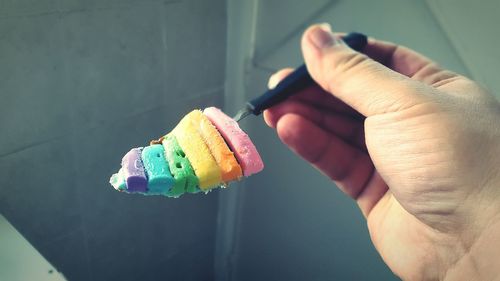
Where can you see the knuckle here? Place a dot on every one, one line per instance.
(341, 65)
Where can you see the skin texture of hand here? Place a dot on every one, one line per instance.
(417, 147)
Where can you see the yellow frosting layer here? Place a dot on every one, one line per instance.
(190, 139)
(230, 169)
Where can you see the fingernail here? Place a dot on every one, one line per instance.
(273, 82)
(326, 27)
(322, 36)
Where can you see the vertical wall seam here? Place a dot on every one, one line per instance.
(240, 41)
(259, 59)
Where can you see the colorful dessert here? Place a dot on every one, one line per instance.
(205, 150)
(238, 141)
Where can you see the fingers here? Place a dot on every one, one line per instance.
(350, 168)
(345, 127)
(374, 190)
(362, 83)
(398, 58)
(278, 76)
(315, 96)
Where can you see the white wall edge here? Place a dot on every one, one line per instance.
(241, 23)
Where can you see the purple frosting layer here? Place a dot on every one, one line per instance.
(133, 171)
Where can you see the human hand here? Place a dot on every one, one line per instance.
(417, 146)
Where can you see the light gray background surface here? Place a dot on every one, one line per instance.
(83, 81)
(291, 222)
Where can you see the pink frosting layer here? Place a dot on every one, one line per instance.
(239, 142)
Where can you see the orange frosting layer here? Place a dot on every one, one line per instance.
(230, 169)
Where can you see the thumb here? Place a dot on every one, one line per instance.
(364, 84)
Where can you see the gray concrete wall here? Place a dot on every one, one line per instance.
(80, 83)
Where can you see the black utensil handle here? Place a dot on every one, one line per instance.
(298, 79)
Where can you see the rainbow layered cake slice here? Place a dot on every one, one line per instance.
(205, 150)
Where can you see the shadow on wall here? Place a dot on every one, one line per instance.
(82, 82)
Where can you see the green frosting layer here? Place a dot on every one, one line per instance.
(183, 173)
(160, 180)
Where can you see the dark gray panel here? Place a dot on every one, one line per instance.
(113, 66)
(195, 46)
(133, 237)
(13, 8)
(82, 84)
(79, 5)
(70, 255)
(38, 193)
(34, 107)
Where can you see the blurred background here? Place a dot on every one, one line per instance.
(82, 81)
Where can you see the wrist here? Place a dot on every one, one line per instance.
(480, 239)
(480, 260)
